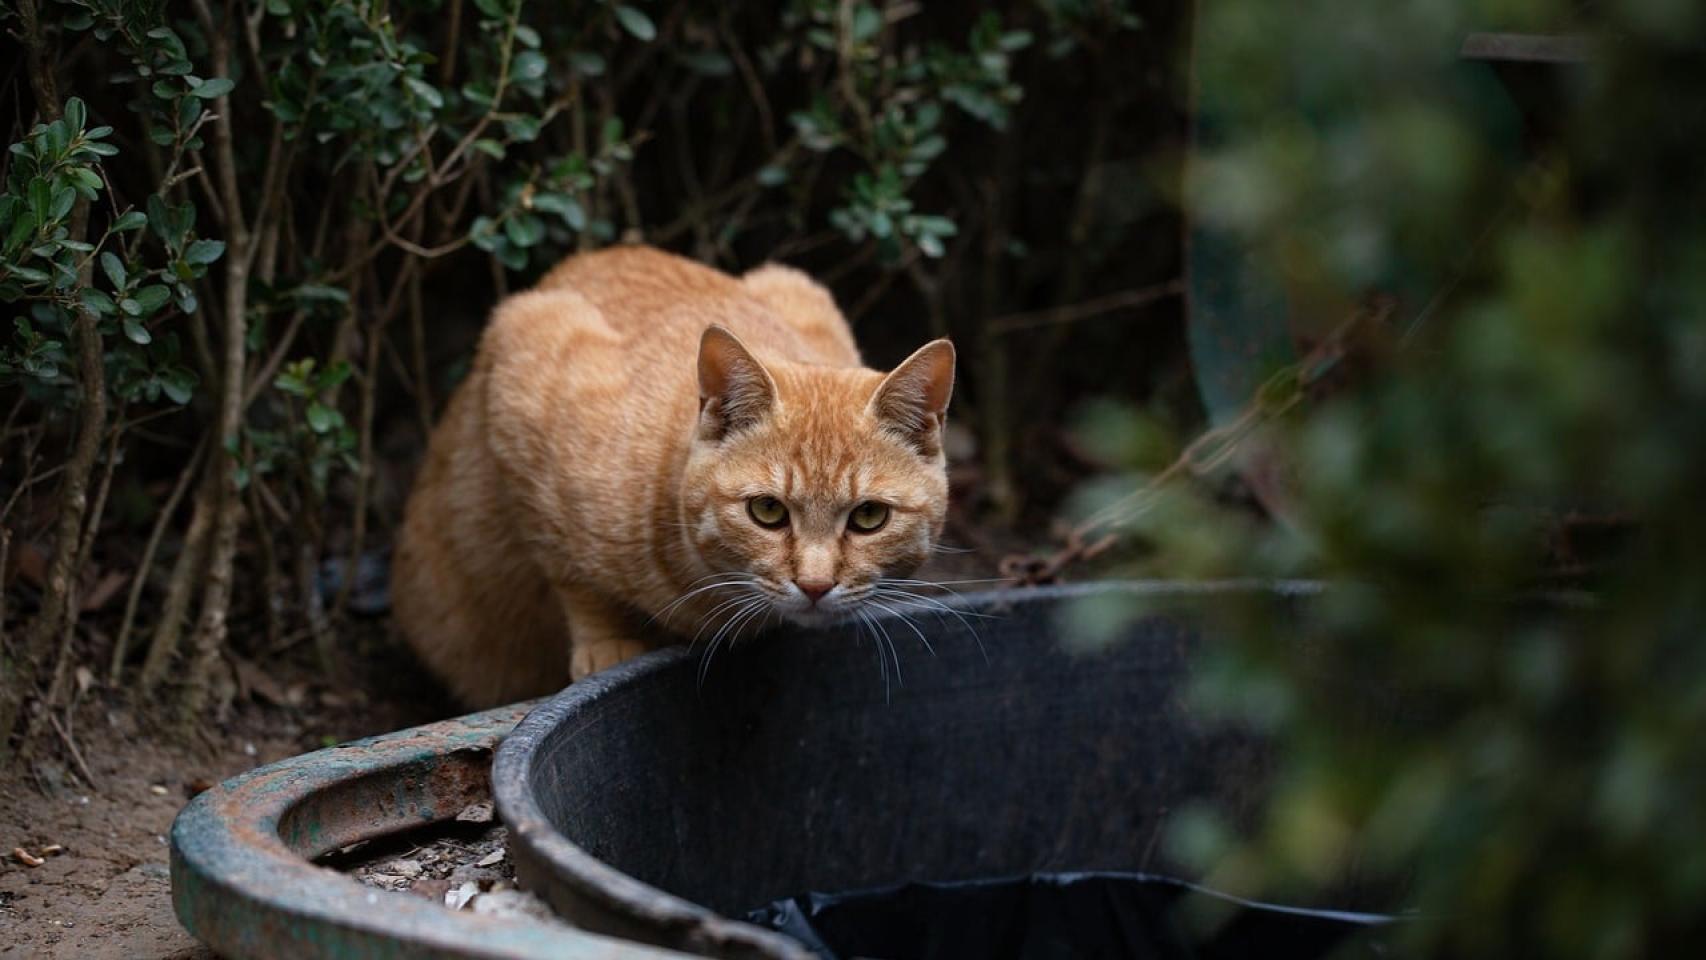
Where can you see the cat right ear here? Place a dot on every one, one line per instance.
(735, 391)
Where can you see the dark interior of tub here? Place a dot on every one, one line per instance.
(799, 766)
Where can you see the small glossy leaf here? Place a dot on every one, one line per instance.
(636, 22)
(321, 418)
(98, 302)
(216, 87)
(204, 252)
(153, 297)
(586, 62)
(63, 199)
(114, 269)
(427, 91)
(136, 332)
(524, 230)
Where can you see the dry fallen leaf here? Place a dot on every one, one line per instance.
(458, 898)
(476, 812)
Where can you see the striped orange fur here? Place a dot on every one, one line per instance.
(595, 486)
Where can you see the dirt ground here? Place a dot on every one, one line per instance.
(102, 889)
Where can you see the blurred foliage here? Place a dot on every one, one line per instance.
(1498, 695)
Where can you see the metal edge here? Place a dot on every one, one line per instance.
(592, 892)
(242, 882)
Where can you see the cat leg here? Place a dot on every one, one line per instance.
(601, 633)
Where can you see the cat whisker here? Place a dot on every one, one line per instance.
(738, 579)
(869, 626)
(931, 604)
(893, 653)
(946, 584)
(903, 618)
(716, 640)
(729, 604)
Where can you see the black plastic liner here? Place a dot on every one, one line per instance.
(1117, 916)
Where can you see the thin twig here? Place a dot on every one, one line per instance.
(1124, 300)
(76, 754)
(140, 578)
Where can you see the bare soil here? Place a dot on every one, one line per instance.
(106, 892)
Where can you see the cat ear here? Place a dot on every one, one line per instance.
(735, 391)
(913, 399)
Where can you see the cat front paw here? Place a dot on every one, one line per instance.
(589, 658)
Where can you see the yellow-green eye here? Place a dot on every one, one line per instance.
(767, 512)
(868, 517)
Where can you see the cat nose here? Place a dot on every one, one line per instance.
(815, 589)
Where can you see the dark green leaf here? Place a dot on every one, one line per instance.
(216, 87)
(131, 220)
(426, 91)
(160, 218)
(524, 230)
(130, 306)
(636, 22)
(76, 114)
(316, 291)
(204, 252)
(97, 301)
(178, 383)
(322, 418)
(41, 199)
(114, 268)
(63, 199)
(563, 206)
(153, 297)
(136, 332)
(529, 65)
(586, 62)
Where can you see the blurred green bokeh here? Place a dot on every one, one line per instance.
(1501, 484)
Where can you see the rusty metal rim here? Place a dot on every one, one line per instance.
(597, 895)
(242, 882)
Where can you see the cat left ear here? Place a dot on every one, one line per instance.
(913, 400)
(735, 391)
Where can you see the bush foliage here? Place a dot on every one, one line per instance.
(1497, 695)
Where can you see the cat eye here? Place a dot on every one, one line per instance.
(868, 517)
(767, 512)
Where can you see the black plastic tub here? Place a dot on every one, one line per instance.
(648, 805)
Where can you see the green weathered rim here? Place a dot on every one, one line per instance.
(243, 883)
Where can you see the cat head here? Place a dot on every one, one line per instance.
(813, 484)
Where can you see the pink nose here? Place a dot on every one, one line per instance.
(815, 589)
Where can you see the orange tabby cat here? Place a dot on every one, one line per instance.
(649, 449)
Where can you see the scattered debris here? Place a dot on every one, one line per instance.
(159, 790)
(459, 897)
(26, 858)
(508, 903)
(476, 813)
(491, 859)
